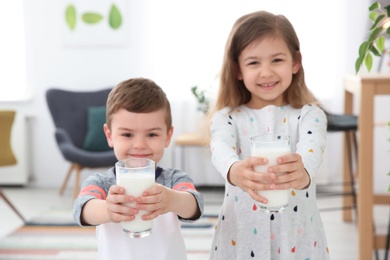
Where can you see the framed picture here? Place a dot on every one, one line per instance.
(87, 23)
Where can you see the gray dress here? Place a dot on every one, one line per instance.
(243, 231)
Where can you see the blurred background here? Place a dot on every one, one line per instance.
(178, 44)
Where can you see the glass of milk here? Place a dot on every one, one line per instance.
(271, 146)
(136, 175)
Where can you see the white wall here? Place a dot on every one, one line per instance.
(178, 44)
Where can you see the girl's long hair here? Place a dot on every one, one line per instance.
(248, 28)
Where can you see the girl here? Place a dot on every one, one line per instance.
(262, 90)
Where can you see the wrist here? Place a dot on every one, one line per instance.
(309, 181)
(229, 175)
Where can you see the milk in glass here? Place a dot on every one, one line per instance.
(136, 177)
(271, 147)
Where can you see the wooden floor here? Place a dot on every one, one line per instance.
(342, 236)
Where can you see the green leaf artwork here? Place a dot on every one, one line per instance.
(115, 17)
(91, 18)
(71, 16)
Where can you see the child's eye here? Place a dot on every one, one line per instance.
(127, 135)
(253, 63)
(152, 135)
(277, 60)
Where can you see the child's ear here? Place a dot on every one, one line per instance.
(296, 67)
(239, 74)
(108, 134)
(297, 63)
(169, 137)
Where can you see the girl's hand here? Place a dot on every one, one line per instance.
(157, 200)
(116, 209)
(296, 177)
(242, 174)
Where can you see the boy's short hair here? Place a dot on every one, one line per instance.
(138, 95)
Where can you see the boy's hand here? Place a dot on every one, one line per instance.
(117, 211)
(156, 200)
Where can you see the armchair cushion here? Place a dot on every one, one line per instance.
(95, 139)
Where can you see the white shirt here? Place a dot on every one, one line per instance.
(165, 241)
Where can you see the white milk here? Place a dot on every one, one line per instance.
(135, 184)
(276, 198)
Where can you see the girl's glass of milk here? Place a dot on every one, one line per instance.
(136, 175)
(271, 146)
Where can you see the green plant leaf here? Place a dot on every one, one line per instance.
(373, 16)
(358, 63)
(91, 18)
(380, 44)
(374, 34)
(115, 17)
(375, 51)
(70, 16)
(363, 48)
(377, 21)
(387, 10)
(368, 61)
(374, 6)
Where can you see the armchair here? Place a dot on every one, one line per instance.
(73, 116)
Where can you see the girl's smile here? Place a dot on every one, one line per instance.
(266, 68)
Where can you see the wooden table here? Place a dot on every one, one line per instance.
(365, 88)
(188, 140)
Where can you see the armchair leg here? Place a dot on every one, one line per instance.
(12, 206)
(77, 168)
(65, 182)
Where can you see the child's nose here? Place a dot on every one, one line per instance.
(140, 142)
(265, 71)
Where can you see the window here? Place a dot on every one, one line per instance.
(12, 52)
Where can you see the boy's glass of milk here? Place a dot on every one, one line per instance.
(136, 175)
(271, 146)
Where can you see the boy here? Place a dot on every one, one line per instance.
(139, 124)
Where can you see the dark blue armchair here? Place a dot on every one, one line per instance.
(70, 111)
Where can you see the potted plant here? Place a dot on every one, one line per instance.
(375, 44)
(202, 98)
